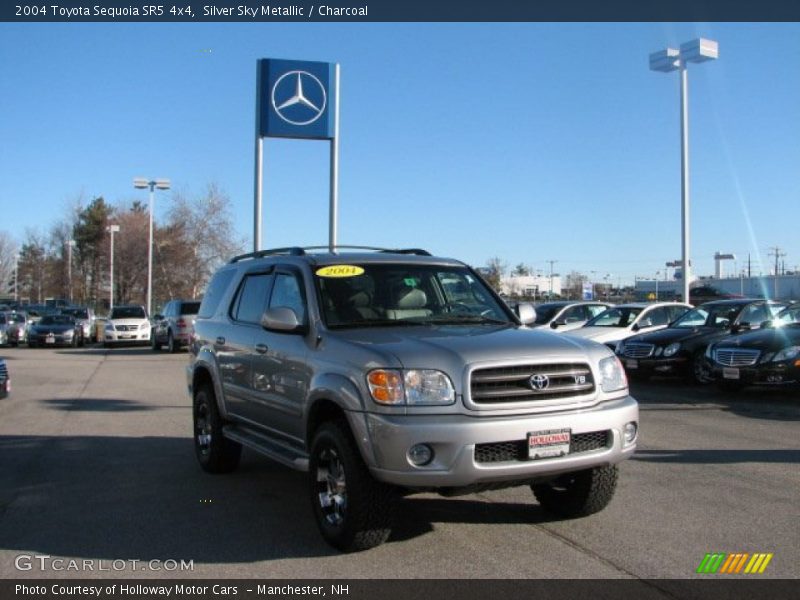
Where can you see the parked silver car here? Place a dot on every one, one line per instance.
(395, 370)
(174, 326)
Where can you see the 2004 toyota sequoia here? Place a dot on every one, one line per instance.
(392, 371)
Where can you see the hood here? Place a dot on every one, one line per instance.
(766, 340)
(603, 335)
(664, 337)
(450, 347)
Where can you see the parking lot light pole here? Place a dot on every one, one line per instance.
(112, 229)
(665, 61)
(70, 246)
(141, 183)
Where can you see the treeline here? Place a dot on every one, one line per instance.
(196, 237)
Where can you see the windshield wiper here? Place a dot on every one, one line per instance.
(457, 319)
(378, 323)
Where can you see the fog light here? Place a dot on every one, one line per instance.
(629, 433)
(420, 455)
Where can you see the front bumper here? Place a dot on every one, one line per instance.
(54, 340)
(666, 366)
(126, 337)
(453, 439)
(782, 373)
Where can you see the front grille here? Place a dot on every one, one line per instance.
(126, 327)
(638, 350)
(517, 450)
(3, 370)
(736, 357)
(516, 384)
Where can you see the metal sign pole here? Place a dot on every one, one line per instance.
(259, 166)
(334, 203)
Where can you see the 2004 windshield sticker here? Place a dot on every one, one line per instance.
(340, 271)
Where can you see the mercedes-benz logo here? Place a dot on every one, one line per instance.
(299, 98)
(539, 381)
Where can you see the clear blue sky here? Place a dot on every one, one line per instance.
(524, 141)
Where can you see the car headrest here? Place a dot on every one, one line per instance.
(412, 298)
(359, 300)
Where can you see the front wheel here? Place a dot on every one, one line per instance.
(353, 511)
(154, 342)
(701, 373)
(172, 346)
(578, 494)
(215, 453)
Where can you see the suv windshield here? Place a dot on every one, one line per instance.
(127, 312)
(621, 316)
(57, 320)
(407, 294)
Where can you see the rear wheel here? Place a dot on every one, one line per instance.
(578, 494)
(215, 453)
(353, 511)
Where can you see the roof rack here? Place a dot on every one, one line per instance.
(298, 251)
(290, 251)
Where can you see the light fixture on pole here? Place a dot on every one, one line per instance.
(141, 183)
(70, 246)
(665, 61)
(112, 229)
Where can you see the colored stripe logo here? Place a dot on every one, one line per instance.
(735, 563)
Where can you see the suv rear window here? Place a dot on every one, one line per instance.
(214, 292)
(189, 308)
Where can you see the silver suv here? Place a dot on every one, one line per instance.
(388, 372)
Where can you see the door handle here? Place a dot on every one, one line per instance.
(261, 348)
(220, 341)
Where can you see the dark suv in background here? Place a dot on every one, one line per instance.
(173, 326)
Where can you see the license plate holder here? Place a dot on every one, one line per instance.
(50, 339)
(549, 443)
(730, 373)
(631, 363)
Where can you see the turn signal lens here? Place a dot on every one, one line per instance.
(386, 386)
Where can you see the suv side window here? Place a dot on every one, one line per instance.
(287, 292)
(252, 298)
(214, 292)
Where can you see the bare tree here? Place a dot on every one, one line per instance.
(494, 271)
(8, 252)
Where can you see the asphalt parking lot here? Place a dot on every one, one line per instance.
(97, 464)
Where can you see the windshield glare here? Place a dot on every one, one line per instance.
(388, 294)
(615, 317)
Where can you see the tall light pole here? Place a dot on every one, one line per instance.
(16, 277)
(552, 262)
(70, 246)
(697, 51)
(141, 183)
(112, 229)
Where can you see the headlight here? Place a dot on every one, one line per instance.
(145, 325)
(411, 387)
(710, 351)
(69, 333)
(787, 353)
(672, 349)
(612, 375)
(109, 327)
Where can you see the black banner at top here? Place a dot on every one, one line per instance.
(399, 10)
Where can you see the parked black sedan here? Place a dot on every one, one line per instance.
(55, 330)
(679, 349)
(770, 356)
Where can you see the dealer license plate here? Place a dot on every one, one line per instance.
(729, 373)
(631, 364)
(50, 339)
(550, 443)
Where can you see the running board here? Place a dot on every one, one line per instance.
(284, 454)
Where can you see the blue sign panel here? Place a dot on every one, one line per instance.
(588, 291)
(296, 99)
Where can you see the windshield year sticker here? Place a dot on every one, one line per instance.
(340, 271)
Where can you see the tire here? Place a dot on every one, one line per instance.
(215, 453)
(353, 511)
(74, 342)
(172, 346)
(154, 342)
(701, 374)
(578, 494)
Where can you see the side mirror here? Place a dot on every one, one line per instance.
(280, 318)
(526, 313)
(636, 327)
(555, 324)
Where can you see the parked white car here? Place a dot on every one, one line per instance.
(624, 320)
(127, 325)
(566, 315)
